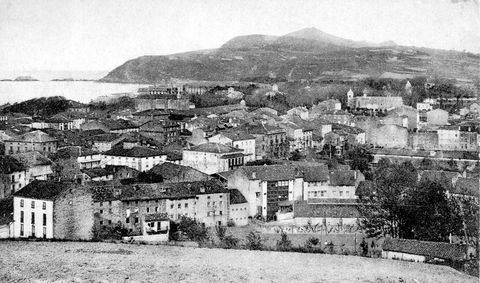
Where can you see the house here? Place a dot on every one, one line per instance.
(326, 105)
(149, 115)
(47, 209)
(31, 141)
(38, 166)
(138, 158)
(238, 139)
(122, 172)
(265, 186)
(119, 126)
(161, 101)
(174, 173)
(338, 117)
(205, 201)
(238, 208)
(97, 174)
(300, 138)
(409, 112)
(390, 136)
(270, 141)
(374, 103)
(301, 112)
(104, 142)
(213, 157)
(13, 175)
(165, 131)
(319, 182)
(423, 251)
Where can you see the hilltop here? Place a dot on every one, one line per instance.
(305, 54)
(79, 262)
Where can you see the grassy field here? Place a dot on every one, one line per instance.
(105, 262)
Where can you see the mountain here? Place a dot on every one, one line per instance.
(305, 54)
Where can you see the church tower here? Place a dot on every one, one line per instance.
(350, 98)
(408, 88)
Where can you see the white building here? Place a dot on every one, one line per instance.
(138, 158)
(212, 158)
(237, 139)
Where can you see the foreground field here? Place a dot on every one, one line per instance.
(93, 262)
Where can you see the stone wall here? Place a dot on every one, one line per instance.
(73, 214)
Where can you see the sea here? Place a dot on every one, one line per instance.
(81, 91)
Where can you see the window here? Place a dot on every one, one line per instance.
(101, 211)
(33, 217)
(44, 205)
(171, 206)
(33, 204)
(136, 220)
(101, 222)
(208, 203)
(21, 230)
(213, 203)
(341, 193)
(109, 222)
(179, 205)
(44, 231)
(101, 203)
(156, 209)
(220, 202)
(21, 203)
(148, 209)
(44, 219)
(21, 216)
(186, 205)
(127, 220)
(221, 212)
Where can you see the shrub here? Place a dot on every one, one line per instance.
(253, 241)
(109, 232)
(221, 231)
(193, 230)
(230, 242)
(284, 244)
(313, 241)
(230, 223)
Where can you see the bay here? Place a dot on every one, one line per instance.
(81, 91)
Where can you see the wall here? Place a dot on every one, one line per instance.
(212, 214)
(403, 256)
(205, 162)
(137, 163)
(391, 136)
(249, 189)
(239, 214)
(27, 220)
(73, 214)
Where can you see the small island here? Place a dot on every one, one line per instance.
(25, 79)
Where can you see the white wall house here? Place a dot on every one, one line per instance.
(32, 218)
(238, 140)
(138, 158)
(212, 158)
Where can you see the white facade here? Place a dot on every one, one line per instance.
(324, 190)
(448, 138)
(90, 161)
(239, 214)
(403, 256)
(32, 218)
(248, 145)
(138, 163)
(207, 162)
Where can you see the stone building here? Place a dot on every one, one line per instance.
(31, 141)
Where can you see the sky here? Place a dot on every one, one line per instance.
(103, 34)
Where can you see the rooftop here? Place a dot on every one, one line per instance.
(236, 197)
(429, 249)
(46, 190)
(134, 152)
(9, 164)
(214, 148)
(34, 136)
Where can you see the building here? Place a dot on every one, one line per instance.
(299, 111)
(38, 166)
(161, 101)
(325, 212)
(212, 158)
(238, 208)
(238, 139)
(205, 201)
(300, 138)
(390, 136)
(13, 176)
(270, 141)
(138, 158)
(437, 117)
(374, 103)
(265, 186)
(320, 183)
(104, 142)
(175, 173)
(164, 131)
(31, 141)
(423, 251)
(46, 209)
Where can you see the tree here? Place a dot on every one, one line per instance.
(284, 244)
(193, 230)
(361, 157)
(253, 241)
(364, 247)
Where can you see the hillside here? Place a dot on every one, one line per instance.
(304, 54)
(99, 262)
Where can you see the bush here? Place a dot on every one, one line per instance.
(230, 223)
(109, 232)
(221, 231)
(313, 241)
(284, 244)
(230, 242)
(193, 230)
(253, 241)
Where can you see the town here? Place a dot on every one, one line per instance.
(175, 162)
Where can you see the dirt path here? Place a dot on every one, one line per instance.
(102, 262)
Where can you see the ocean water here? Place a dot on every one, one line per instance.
(81, 91)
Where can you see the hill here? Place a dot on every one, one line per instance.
(304, 54)
(88, 262)
(43, 106)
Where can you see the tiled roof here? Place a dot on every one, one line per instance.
(34, 136)
(428, 249)
(467, 186)
(237, 135)
(156, 217)
(214, 148)
(134, 152)
(96, 172)
(104, 137)
(157, 125)
(315, 173)
(9, 164)
(47, 190)
(172, 171)
(337, 201)
(32, 158)
(152, 112)
(321, 210)
(119, 124)
(236, 197)
(172, 190)
(342, 178)
(270, 172)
